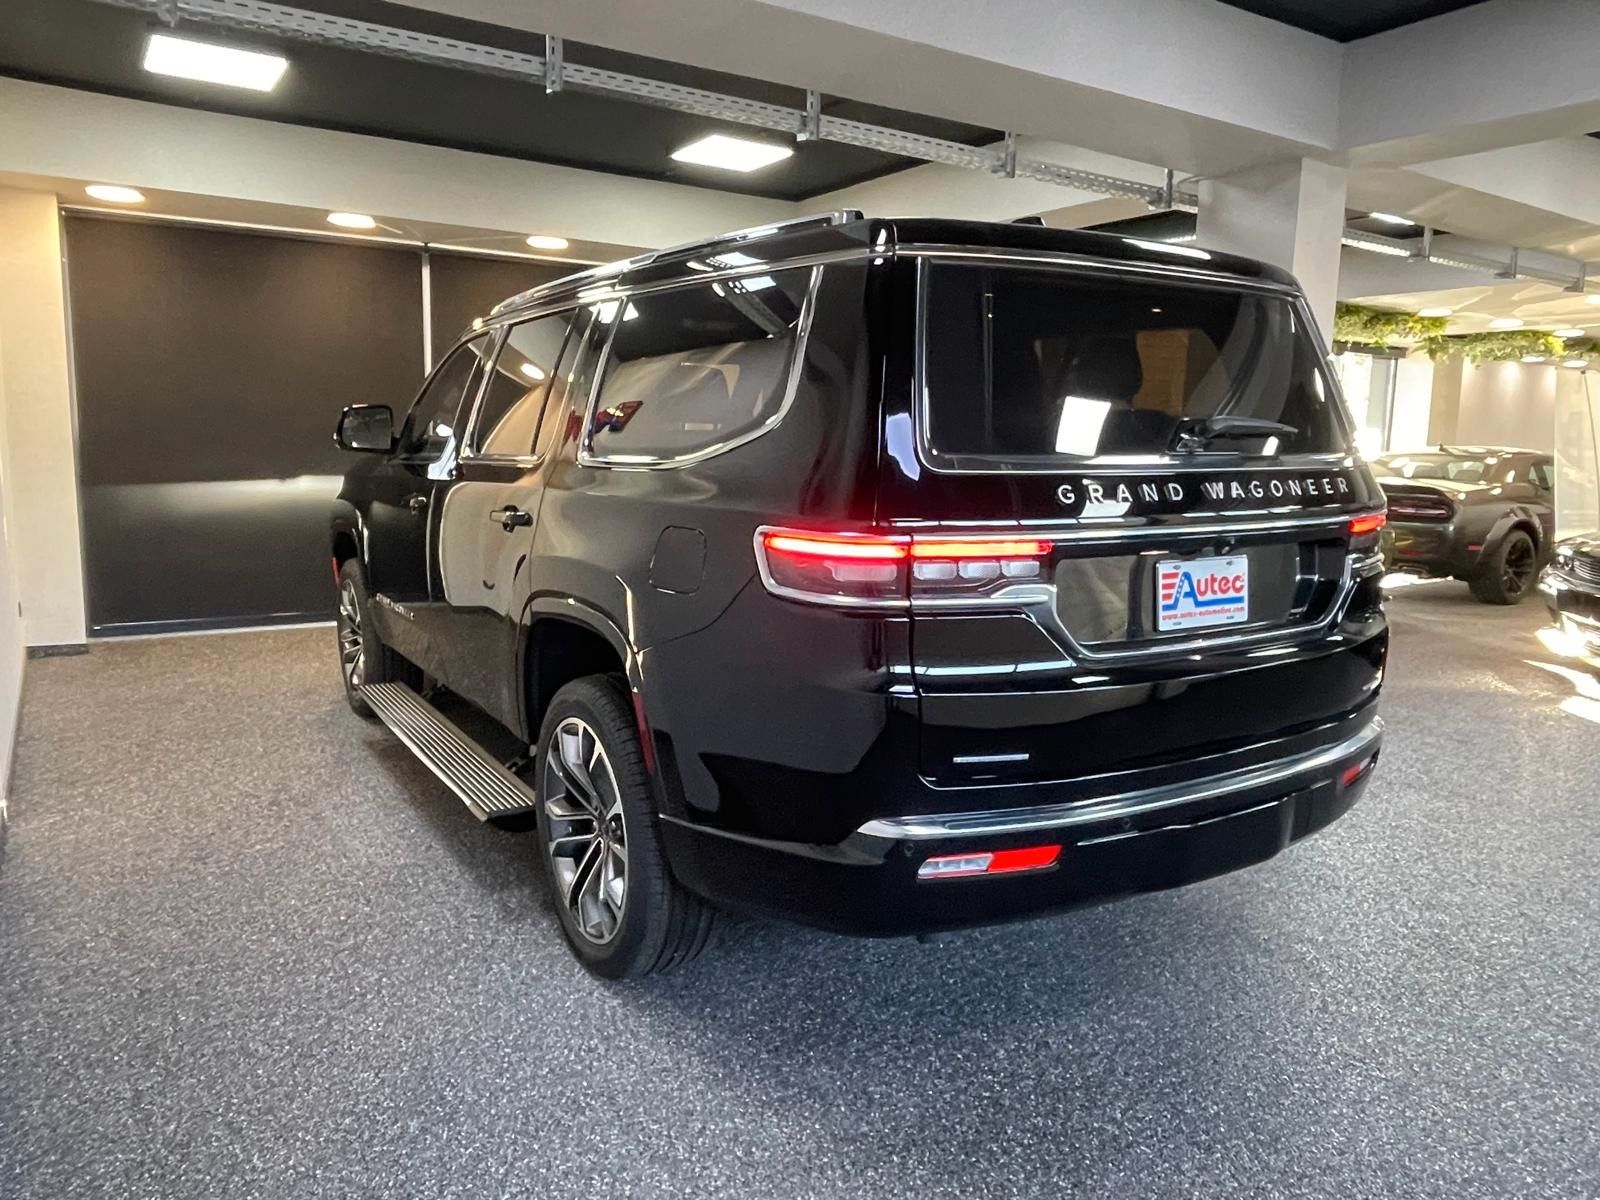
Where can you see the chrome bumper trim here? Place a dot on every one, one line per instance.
(1124, 804)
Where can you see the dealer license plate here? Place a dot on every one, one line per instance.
(1197, 592)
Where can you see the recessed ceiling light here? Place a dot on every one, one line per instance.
(1533, 358)
(731, 153)
(113, 193)
(1573, 332)
(209, 63)
(532, 371)
(1576, 362)
(346, 220)
(1391, 219)
(1436, 311)
(1506, 323)
(545, 241)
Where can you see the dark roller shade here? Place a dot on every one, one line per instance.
(211, 367)
(465, 287)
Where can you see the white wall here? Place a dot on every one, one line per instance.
(11, 642)
(41, 454)
(1510, 404)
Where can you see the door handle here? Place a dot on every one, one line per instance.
(417, 503)
(510, 517)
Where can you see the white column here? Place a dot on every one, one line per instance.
(1287, 214)
(36, 386)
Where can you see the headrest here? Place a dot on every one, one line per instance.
(1105, 368)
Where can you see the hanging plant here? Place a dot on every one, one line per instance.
(1508, 345)
(1358, 325)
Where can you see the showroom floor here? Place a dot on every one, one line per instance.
(248, 947)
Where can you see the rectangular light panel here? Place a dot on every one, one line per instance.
(210, 63)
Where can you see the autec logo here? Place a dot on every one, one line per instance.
(1179, 585)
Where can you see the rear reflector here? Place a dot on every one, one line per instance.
(994, 862)
(1350, 774)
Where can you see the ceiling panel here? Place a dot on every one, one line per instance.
(83, 44)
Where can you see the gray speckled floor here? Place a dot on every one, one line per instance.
(249, 948)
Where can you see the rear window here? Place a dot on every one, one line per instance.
(694, 368)
(1454, 468)
(1028, 365)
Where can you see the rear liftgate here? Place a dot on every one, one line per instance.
(466, 768)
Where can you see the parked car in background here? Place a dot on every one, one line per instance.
(1482, 514)
(889, 576)
(1571, 589)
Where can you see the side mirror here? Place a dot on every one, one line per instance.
(366, 427)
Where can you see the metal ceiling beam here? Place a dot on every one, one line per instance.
(806, 123)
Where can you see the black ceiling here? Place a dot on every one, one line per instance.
(1347, 20)
(93, 46)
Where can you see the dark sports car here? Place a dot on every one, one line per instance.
(1482, 514)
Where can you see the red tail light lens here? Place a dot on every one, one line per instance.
(1365, 528)
(896, 570)
(992, 862)
(832, 568)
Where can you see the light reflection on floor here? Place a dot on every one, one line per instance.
(1586, 703)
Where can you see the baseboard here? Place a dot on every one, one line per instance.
(65, 650)
(124, 629)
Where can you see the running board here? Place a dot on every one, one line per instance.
(465, 767)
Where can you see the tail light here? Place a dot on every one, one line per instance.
(900, 570)
(1364, 530)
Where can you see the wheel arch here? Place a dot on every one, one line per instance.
(565, 639)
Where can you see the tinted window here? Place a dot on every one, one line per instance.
(518, 384)
(1024, 363)
(431, 428)
(695, 367)
(1543, 475)
(1456, 468)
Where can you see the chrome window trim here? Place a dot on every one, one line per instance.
(1121, 805)
(796, 367)
(602, 271)
(1112, 464)
(469, 452)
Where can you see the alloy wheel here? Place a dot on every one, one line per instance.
(352, 647)
(1518, 567)
(588, 844)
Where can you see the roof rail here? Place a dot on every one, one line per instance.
(605, 270)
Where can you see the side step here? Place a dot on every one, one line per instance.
(465, 767)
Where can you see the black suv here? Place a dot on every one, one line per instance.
(1482, 514)
(889, 576)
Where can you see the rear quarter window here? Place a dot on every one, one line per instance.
(694, 369)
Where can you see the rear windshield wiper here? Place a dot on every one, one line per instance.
(1196, 433)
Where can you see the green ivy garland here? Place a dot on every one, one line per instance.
(1357, 325)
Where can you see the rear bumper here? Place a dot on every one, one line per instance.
(1428, 547)
(1112, 845)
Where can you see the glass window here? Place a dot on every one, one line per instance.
(515, 395)
(1037, 364)
(1543, 475)
(431, 428)
(1455, 468)
(695, 367)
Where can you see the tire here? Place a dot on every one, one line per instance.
(597, 826)
(362, 657)
(1508, 571)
